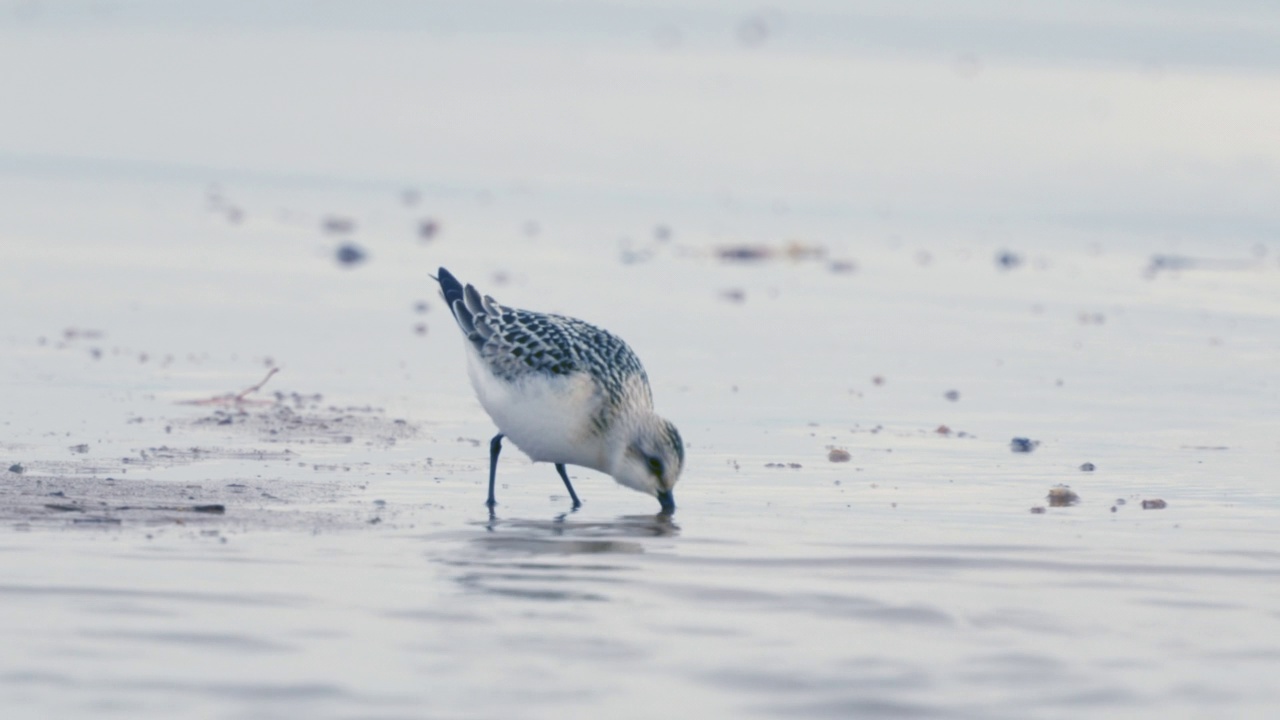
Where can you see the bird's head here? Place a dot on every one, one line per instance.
(651, 460)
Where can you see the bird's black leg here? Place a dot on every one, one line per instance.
(495, 447)
(568, 486)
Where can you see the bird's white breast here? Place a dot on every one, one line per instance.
(547, 416)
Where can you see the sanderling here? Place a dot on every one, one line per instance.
(565, 392)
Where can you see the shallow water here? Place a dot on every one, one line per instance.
(353, 570)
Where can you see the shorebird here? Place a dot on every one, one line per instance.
(565, 392)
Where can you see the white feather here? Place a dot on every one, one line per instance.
(547, 416)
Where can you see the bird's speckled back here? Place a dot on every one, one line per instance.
(516, 343)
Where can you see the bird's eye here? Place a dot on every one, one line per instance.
(655, 466)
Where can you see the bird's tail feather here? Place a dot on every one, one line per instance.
(451, 288)
(466, 305)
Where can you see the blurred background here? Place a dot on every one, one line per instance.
(1151, 119)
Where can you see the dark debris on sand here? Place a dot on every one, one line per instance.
(350, 255)
(1062, 496)
(1023, 445)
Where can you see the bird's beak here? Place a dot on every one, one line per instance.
(668, 501)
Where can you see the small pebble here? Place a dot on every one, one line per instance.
(1023, 445)
(744, 253)
(1007, 260)
(1062, 496)
(350, 254)
(1037, 510)
(952, 395)
(1156, 504)
(1088, 467)
(338, 225)
(838, 455)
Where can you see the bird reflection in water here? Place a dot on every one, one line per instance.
(545, 559)
(564, 535)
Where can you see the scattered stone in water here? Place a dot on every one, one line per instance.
(1120, 501)
(428, 229)
(420, 329)
(1156, 504)
(1023, 445)
(82, 448)
(877, 380)
(734, 295)
(842, 267)
(215, 509)
(838, 455)
(1088, 467)
(350, 254)
(952, 395)
(744, 253)
(421, 307)
(338, 225)
(17, 469)
(1062, 496)
(81, 334)
(797, 250)
(1177, 262)
(1037, 510)
(943, 430)
(1008, 260)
